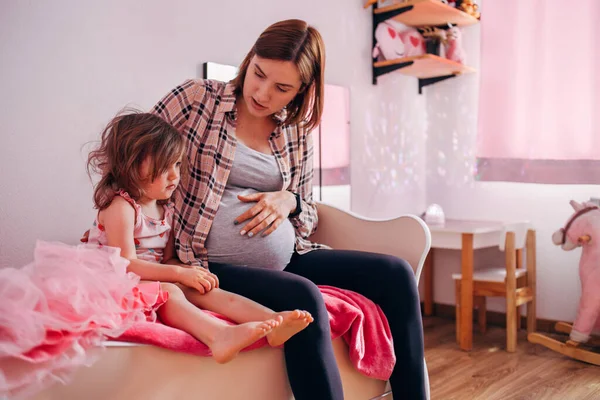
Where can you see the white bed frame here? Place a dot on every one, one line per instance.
(127, 372)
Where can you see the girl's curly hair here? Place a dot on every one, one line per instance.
(125, 143)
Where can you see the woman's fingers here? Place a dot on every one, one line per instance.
(266, 215)
(273, 227)
(249, 213)
(251, 227)
(263, 225)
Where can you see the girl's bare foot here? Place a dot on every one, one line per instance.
(292, 323)
(233, 338)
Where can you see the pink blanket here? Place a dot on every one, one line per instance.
(358, 320)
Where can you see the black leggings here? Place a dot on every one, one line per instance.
(311, 365)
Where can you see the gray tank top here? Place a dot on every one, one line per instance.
(251, 172)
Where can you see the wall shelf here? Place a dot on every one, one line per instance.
(423, 13)
(423, 66)
(428, 68)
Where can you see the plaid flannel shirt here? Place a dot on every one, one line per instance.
(204, 112)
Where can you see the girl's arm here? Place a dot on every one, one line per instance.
(119, 222)
(170, 257)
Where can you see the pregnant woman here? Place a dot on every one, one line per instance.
(245, 210)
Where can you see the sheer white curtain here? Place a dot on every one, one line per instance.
(539, 112)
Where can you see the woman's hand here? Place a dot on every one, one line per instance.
(270, 210)
(198, 278)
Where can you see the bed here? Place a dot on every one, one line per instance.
(131, 371)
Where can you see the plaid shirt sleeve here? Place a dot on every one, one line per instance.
(306, 222)
(176, 106)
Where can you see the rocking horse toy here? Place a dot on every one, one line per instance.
(581, 230)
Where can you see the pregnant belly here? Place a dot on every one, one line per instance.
(225, 244)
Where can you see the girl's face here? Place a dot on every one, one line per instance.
(270, 85)
(165, 184)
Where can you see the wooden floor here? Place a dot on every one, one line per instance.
(488, 372)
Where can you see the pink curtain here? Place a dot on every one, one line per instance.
(539, 112)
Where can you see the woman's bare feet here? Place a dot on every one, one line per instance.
(292, 322)
(233, 338)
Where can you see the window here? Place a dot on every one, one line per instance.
(539, 111)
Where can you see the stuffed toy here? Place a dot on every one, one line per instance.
(470, 7)
(435, 40)
(583, 230)
(454, 49)
(414, 44)
(389, 44)
(397, 41)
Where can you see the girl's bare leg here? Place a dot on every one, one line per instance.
(225, 341)
(243, 310)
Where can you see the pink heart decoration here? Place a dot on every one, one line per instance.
(392, 33)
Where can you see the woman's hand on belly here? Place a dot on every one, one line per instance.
(270, 210)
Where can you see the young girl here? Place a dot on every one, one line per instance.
(139, 160)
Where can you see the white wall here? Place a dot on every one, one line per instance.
(68, 66)
(451, 112)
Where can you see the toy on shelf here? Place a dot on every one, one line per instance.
(414, 44)
(581, 230)
(435, 40)
(389, 43)
(454, 48)
(446, 43)
(469, 6)
(396, 40)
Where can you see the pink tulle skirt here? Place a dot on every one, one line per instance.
(59, 308)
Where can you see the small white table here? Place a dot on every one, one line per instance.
(466, 236)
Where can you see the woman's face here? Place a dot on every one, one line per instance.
(270, 85)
